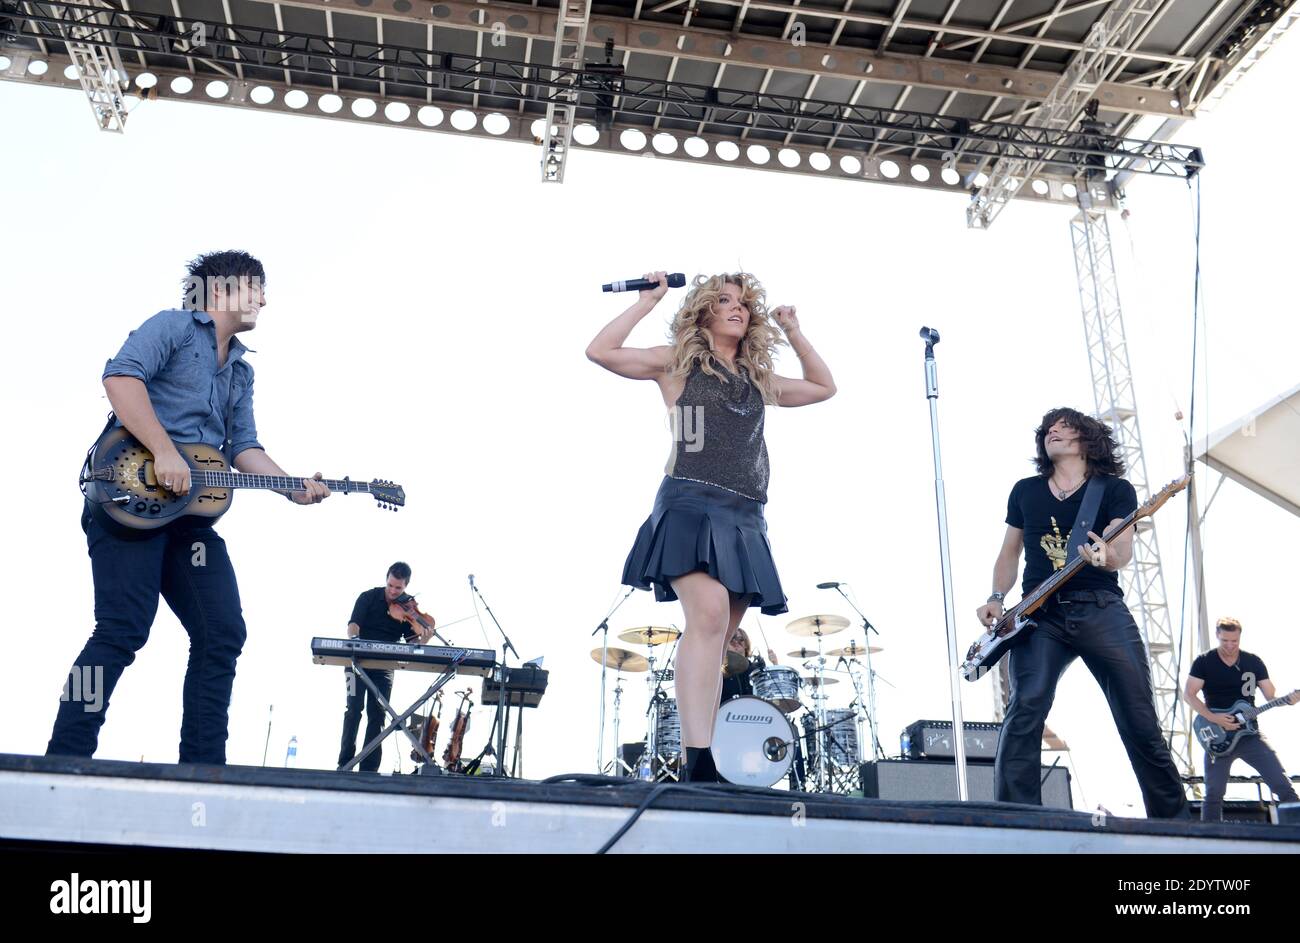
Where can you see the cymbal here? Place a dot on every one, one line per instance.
(817, 625)
(649, 635)
(734, 664)
(853, 649)
(804, 653)
(814, 682)
(620, 659)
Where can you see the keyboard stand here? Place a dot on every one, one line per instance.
(399, 720)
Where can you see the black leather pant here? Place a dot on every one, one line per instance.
(1096, 626)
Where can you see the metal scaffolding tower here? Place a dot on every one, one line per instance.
(567, 62)
(1116, 405)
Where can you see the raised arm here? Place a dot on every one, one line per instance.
(817, 384)
(635, 363)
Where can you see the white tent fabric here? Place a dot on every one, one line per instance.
(1261, 450)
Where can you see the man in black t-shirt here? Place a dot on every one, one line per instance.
(370, 620)
(1086, 619)
(1227, 675)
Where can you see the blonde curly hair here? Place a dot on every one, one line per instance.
(692, 341)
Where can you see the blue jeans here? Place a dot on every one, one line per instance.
(189, 567)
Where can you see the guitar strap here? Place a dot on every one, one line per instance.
(1087, 519)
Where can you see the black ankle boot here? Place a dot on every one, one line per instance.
(699, 766)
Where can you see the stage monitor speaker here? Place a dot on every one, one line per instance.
(936, 780)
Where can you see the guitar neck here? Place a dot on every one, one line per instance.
(230, 479)
(1269, 705)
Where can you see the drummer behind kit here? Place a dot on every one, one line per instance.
(755, 741)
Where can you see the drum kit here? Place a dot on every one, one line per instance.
(755, 738)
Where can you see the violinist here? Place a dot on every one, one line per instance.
(373, 618)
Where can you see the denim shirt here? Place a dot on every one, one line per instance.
(174, 354)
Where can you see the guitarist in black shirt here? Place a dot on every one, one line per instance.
(1227, 675)
(1087, 619)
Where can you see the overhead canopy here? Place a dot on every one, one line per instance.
(1261, 450)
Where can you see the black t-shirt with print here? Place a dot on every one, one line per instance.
(1227, 684)
(1046, 523)
(371, 614)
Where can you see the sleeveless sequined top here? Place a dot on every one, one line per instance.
(717, 427)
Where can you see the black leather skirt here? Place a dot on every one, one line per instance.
(697, 526)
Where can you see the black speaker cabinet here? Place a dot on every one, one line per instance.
(935, 780)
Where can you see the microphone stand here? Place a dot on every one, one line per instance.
(502, 718)
(266, 746)
(871, 675)
(931, 337)
(604, 672)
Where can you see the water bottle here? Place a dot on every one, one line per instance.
(905, 745)
(291, 755)
(644, 769)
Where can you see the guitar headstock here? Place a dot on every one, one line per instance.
(1157, 500)
(390, 496)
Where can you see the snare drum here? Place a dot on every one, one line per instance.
(840, 735)
(753, 742)
(779, 685)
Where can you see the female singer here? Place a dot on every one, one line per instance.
(705, 541)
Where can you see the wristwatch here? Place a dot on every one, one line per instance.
(997, 597)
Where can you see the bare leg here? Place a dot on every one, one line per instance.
(697, 674)
(738, 606)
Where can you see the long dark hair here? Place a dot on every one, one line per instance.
(1096, 443)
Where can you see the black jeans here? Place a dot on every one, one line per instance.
(375, 716)
(1096, 626)
(1256, 753)
(191, 570)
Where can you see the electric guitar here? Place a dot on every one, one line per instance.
(989, 648)
(1220, 742)
(119, 481)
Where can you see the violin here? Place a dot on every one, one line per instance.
(429, 729)
(459, 727)
(404, 609)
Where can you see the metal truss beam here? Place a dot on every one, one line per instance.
(1116, 405)
(833, 163)
(1119, 29)
(413, 73)
(731, 48)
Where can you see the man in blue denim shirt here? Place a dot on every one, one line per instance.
(181, 377)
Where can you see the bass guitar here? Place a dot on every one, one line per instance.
(989, 648)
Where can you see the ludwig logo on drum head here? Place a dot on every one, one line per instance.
(733, 717)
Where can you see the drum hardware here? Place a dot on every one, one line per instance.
(869, 705)
(817, 626)
(620, 659)
(734, 664)
(650, 635)
(603, 629)
(663, 741)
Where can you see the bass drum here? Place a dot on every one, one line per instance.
(753, 742)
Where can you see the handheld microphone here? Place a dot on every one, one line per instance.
(471, 579)
(675, 280)
(829, 585)
(930, 336)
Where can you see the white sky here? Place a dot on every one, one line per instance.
(429, 303)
